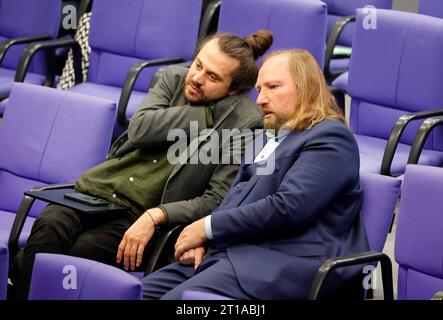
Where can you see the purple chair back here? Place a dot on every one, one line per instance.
(380, 195)
(25, 18)
(122, 35)
(338, 9)
(394, 70)
(294, 23)
(59, 277)
(50, 136)
(431, 8)
(418, 242)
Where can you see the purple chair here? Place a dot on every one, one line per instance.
(380, 196)
(294, 23)
(393, 92)
(81, 279)
(128, 44)
(21, 23)
(45, 139)
(418, 242)
(432, 8)
(340, 32)
(341, 82)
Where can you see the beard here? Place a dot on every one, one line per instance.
(193, 97)
(275, 121)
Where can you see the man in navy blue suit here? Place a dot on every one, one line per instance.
(272, 231)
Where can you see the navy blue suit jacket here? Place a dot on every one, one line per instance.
(278, 228)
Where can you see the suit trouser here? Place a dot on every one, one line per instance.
(65, 231)
(214, 275)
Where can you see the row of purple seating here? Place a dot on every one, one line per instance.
(389, 76)
(417, 249)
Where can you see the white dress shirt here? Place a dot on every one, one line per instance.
(269, 148)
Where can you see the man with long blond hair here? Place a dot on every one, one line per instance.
(272, 232)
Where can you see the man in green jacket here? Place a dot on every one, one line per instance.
(138, 172)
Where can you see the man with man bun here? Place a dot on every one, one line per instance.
(137, 172)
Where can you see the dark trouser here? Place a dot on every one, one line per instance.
(65, 231)
(214, 275)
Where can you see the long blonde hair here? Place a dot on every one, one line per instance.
(315, 102)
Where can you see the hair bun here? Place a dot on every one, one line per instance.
(259, 42)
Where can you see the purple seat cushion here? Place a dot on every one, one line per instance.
(90, 280)
(416, 285)
(372, 149)
(418, 242)
(338, 65)
(341, 82)
(40, 155)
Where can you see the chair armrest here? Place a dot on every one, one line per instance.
(165, 236)
(396, 133)
(131, 78)
(332, 42)
(417, 146)
(331, 264)
(211, 13)
(50, 46)
(53, 187)
(22, 214)
(7, 44)
(438, 296)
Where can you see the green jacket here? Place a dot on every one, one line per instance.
(192, 190)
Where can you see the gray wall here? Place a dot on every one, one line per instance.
(405, 5)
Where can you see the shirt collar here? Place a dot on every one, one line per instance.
(281, 133)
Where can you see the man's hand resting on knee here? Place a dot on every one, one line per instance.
(136, 238)
(193, 256)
